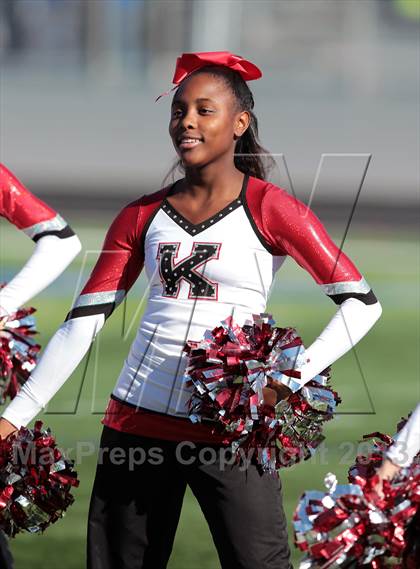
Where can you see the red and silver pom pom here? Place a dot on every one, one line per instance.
(351, 525)
(230, 370)
(35, 481)
(18, 351)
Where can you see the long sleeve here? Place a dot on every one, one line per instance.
(291, 228)
(60, 358)
(117, 268)
(350, 323)
(407, 442)
(50, 258)
(56, 245)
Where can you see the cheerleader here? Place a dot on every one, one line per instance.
(401, 454)
(210, 244)
(56, 245)
(403, 451)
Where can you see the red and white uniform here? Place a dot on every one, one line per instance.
(198, 275)
(56, 243)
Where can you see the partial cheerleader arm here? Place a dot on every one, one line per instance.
(291, 228)
(60, 358)
(407, 442)
(402, 452)
(116, 270)
(350, 323)
(56, 244)
(49, 259)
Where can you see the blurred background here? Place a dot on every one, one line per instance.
(81, 128)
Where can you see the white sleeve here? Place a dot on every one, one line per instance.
(49, 259)
(60, 358)
(406, 442)
(350, 323)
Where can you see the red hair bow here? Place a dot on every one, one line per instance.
(189, 62)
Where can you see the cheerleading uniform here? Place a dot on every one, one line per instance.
(56, 244)
(199, 274)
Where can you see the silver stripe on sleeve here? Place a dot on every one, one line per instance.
(346, 286)
(54, 224)
(93, 298)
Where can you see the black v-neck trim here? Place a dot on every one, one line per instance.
(196, 228)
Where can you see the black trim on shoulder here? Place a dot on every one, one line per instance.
(254, 226)
(105, 309)
(366, 298)
(60, 233)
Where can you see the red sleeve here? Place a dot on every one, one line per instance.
(26, 211)
(18, 205)
(121, 259)
(289, 227)
(294, 228)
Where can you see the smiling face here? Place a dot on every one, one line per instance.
(205, 121)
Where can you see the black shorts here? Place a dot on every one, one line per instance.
(137, 498)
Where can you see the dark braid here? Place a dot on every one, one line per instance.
(250, 157)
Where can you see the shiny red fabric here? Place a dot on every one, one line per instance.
(284, 224)
(189, 62)
(139, 421)
(289, 227)
(122, 256)
(18, 204)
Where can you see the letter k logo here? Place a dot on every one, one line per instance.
(171, 274)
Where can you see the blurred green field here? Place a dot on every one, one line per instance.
(378, 381)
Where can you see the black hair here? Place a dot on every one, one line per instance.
(250, 157)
